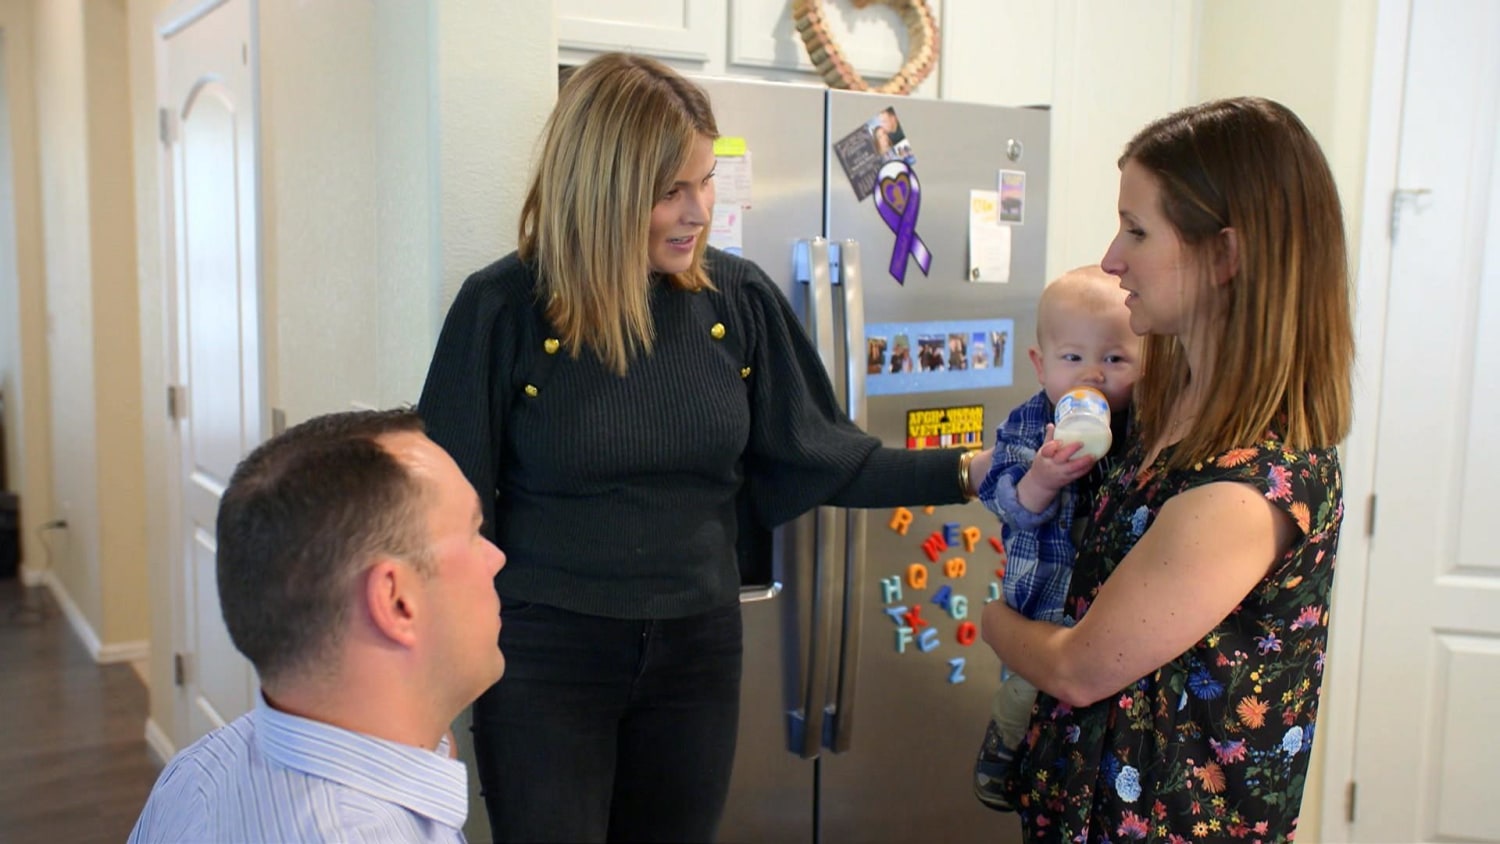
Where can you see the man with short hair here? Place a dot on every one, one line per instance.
(353, 575)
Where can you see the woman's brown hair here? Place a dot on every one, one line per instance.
(622, 129)
(1284, 351)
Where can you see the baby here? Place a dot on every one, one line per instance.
(1037, 486)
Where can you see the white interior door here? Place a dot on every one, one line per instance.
(209, 142)
(1427, 744)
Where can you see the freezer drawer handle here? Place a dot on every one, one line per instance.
(752, 594)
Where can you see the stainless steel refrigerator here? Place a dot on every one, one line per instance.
(910, 237)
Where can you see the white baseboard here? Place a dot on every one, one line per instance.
(102, 653)
(32, 577)
(134, 651)
(160, 745)
(76, 619)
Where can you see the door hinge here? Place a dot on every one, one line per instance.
(179, 669)
(1370, 516)
(164, 125)
(1349, 795)
(175, 403)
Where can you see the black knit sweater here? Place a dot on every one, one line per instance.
(618, 496)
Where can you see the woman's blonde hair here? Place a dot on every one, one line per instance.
(1284, 350)
(622, 129)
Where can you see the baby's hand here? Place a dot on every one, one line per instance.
(1058, 464)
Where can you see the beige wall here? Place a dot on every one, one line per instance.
(1315, 58)
(1320, 67)
(396, 139)
(62, 123)
(1067, 54)
(25, 379)
(319, 177)
(117, 421)
(10, 284)
(92, 338)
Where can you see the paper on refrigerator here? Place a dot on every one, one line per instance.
(989, 242)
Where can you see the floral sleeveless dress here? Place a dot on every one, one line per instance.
(1214, 745)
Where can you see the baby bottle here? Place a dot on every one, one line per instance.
(1082, 416)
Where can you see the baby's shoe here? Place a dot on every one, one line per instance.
(990, 769)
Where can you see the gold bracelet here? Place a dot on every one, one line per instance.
(963, 474)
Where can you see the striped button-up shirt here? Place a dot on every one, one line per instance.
(274, 777)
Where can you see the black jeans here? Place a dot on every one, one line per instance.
(609, 730)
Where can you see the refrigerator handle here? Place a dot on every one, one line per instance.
(842, 728)
(820, 301)
(854, 331)
(805, 724)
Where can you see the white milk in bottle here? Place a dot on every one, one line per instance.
(1082, 416)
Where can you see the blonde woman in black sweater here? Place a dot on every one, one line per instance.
(621, 395)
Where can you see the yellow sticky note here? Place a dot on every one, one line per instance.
(729, 147)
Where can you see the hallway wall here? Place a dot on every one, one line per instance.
(28, 425)
(93, 349)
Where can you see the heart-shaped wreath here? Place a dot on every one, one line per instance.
(921, 56)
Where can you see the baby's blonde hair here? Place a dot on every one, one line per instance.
(1089, 289)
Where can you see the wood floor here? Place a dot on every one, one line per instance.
(73, 760)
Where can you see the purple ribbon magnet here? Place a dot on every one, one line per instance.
(898, 198)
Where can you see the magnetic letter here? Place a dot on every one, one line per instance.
(995, 544)
(903, 638)
(891, 588)
(942, 597)
(966, 633)
(950, 533)
(929, 640)
(994, 592)
(957, 674)
(895, 613)
(914, 617)
(900, 520)
(955, 567)
(916, 576)
(971, 538)
(934, 546)
(959, 607)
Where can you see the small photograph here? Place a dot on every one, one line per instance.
(861, 161)
(958, 352)
(980, 347)
(901, 354)
(997, 342)
(875, 355)
(888, 136)
(931, 356)
(1012, 197)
